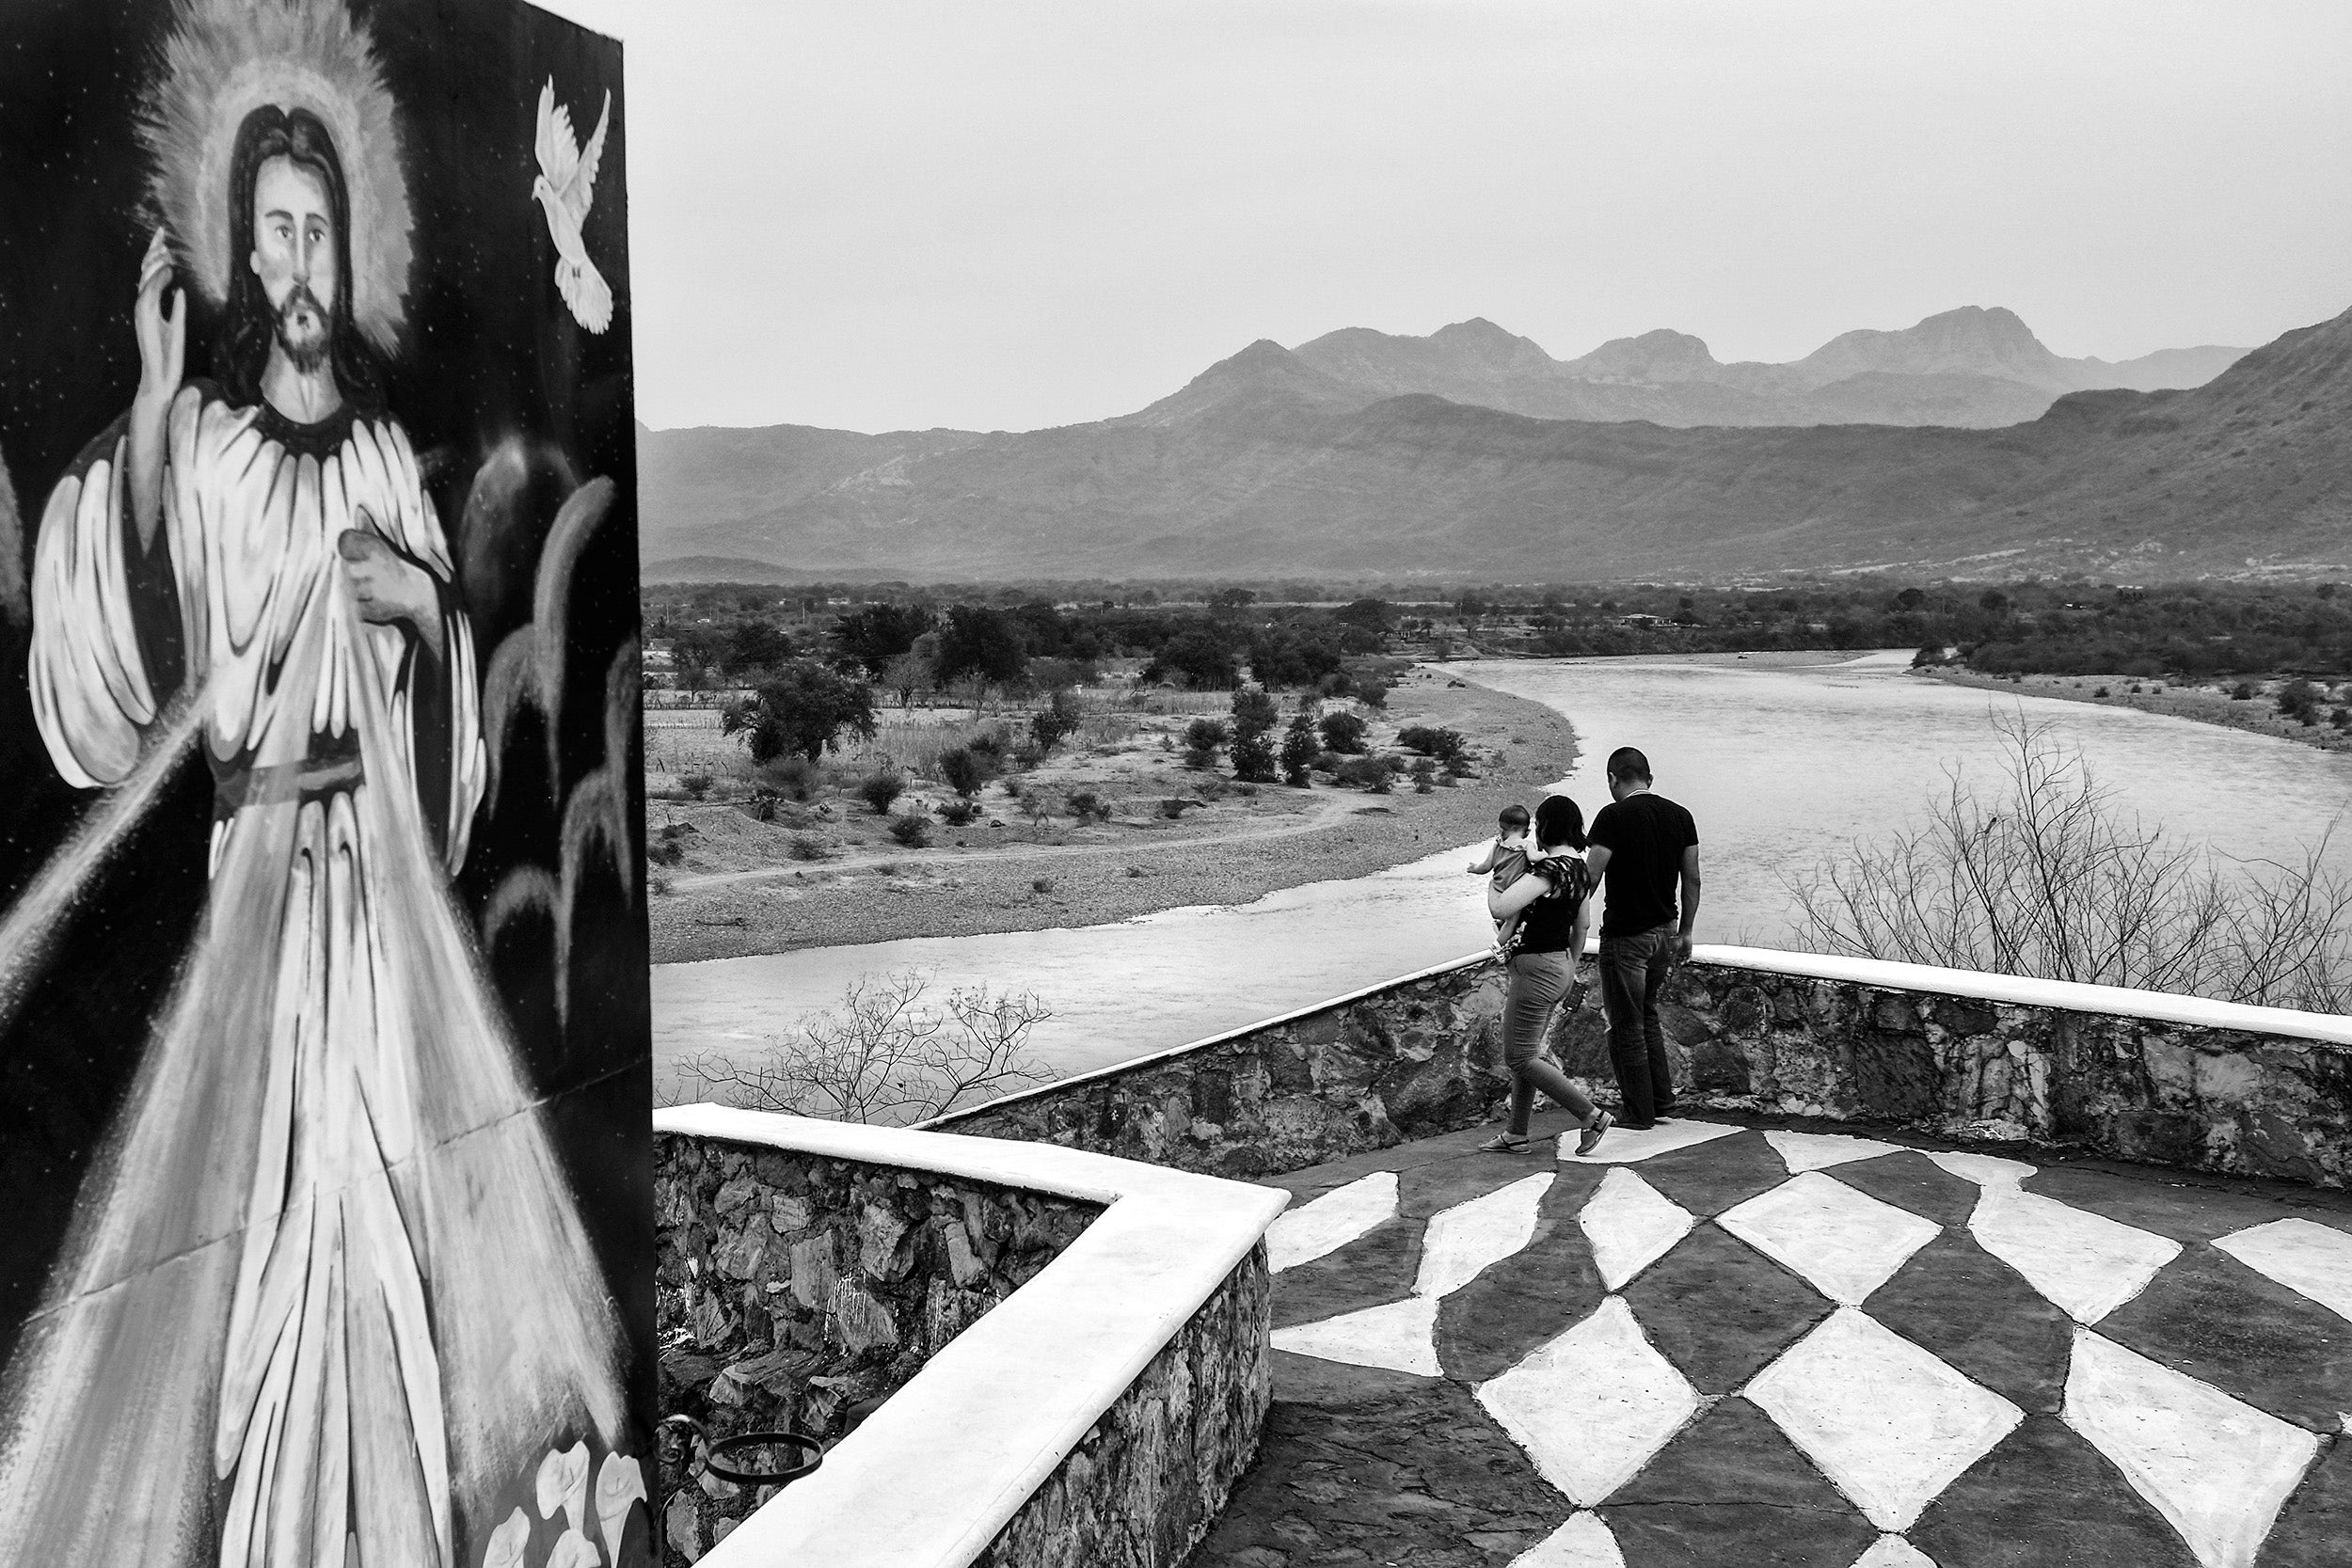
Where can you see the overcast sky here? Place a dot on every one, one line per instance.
(876, 215)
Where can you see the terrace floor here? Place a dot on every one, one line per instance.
(1740, 1346)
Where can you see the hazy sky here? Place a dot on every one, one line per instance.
(878, 215)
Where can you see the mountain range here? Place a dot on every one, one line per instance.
(1361, 453)
(1970, 367)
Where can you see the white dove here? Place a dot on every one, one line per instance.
(563, 189)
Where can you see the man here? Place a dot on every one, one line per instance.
(1642, 846)
(331, 1259)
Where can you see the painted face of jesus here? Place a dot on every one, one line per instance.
(293, 255)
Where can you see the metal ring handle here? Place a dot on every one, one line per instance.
(812, 1450)
(710, 1453)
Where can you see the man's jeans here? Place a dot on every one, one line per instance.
(1632, 973)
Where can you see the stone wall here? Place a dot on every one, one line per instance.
(795, 1291)
(1423, 1056)
(1142, 1488)
(2236, 1101)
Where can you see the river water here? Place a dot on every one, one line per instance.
(1780, 765)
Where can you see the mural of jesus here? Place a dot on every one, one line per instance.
(327, 1297)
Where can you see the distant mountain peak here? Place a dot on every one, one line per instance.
(1661, 354)
(1478, 329)
(1970, 341)
(1264, 369)
(1265, 351)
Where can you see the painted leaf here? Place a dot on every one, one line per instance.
(620, 1482)
(563, 1483)
(574, 1551)
(507, 1542)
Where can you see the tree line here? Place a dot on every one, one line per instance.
(902, 641)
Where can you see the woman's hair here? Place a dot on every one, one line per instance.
(1558, 821)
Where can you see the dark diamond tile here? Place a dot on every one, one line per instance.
(1404, 1477)
(1712, 1177)
(2045, 1498)
(1957, 1301)
(2210, 1316)
(1912, 1180)
(2187, 1211)
(1720, 1311)
(1377, 1266)
(2314, 1530)
(1731, 1488)
(1312, 1379)
(1427, 1188)
(1534, 1295)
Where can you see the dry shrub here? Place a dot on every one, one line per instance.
(885, 1055)
(2047, 876)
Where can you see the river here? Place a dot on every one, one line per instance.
(1780, 765)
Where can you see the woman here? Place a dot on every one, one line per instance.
(1553, 915)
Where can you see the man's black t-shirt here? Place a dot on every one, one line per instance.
(1644, 835)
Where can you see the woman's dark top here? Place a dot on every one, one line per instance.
(1545, 925)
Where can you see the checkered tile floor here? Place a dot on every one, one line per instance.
(1712, 1344)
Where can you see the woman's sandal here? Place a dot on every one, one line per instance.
(1602, 1122)
(1504, 1143)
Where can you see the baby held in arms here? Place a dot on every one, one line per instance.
(1506, 860)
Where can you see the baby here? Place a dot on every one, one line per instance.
(1504, 862)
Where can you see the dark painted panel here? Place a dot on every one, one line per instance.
(324, 1044)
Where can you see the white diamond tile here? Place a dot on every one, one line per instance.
(1583, 1542)
(1632, 1224)
(1329, 1223)
(1985, 1170)
(2217, 1470)
(1888, 1424)
(1593, 1405)
(1624, 1146)
(1802, 1151)
(2086, 1263)
(2301, 1255)
(1893, 1551)
(1398, 1335)
(1463, 1242)
(1843, 1242)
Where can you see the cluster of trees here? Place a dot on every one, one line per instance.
(2196, 630)
(812, 670)
(1336, 743)
(2072, 626)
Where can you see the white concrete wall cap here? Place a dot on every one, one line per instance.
(2020, 992)
(2011, 989)
(932, 1476)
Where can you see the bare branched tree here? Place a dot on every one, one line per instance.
(884, 1056)
(2050, 877)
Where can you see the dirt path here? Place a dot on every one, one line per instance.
(1318, 815)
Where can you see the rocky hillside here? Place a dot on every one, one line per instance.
(1270, 462)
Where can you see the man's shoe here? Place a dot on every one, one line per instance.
(1504, 1143)
(1637, 1126)
(1602, 1122)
